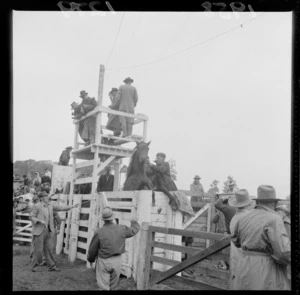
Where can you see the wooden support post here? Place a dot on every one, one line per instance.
(60, 236)
(212, 214)
(144, 280)
(98, 115)
(144, 243)
(208, 224)
(76, 137)
(74, 228)
(66, 249)
(145, 130)
(117, 175)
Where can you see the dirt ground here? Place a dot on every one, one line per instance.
(73, 276)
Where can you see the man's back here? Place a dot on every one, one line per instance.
(128, 98)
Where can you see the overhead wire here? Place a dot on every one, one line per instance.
(188, 48)
(116, 37)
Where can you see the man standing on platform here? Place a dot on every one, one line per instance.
(128, 101)
(42, 227)
(107, 246)
(106, 181)
(196, 186)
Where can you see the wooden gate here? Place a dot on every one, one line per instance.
(23, 228)
(148, 278)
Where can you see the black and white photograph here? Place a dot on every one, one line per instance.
(151, 149)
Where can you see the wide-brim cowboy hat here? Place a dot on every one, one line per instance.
(128, 79)
(107, 214)
(241, 198)
(266, 193)
(68, 148)
(197, 177)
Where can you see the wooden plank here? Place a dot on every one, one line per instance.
(22, 214)
(22, 239)
(74, 228)
(192, 260)
(85, 164)
(183, 249)
(86, 197)
(83, 234)
(82, 245)
(181, 283)
(221, 284)
(161, 218)
(83, 180)
(24, 234)
(84, 223)
(20, 229)
(187, 233)
(163, 260)
(23, 221)
(85, 210)
(81, 256)
(199, 213)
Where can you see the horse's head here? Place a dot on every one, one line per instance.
(142, 149)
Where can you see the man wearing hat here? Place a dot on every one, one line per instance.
(283, 212)
(196, 186)
(107, 246)
(113, 122)
(265, 245)
(241, 201)
(89, 124)
(65, 156)
(42, 226)
(128, 101)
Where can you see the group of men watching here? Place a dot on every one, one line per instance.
(123, 99)
(260, 252)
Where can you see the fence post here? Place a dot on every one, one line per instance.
(212, 210)
(144, 265)
(60, 236)
(74, 229)
(67, 230)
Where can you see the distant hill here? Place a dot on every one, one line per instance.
(30, 166)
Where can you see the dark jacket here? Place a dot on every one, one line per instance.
(109, 240)
(104, 184)
(163, 178)
(64, 158)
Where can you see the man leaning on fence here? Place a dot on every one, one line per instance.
(42, 226)
(106, 246)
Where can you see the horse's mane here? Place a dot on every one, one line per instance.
(130, 167)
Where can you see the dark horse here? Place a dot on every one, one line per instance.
(136, 178)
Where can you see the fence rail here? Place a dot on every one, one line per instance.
(23, 228)
(148, 277)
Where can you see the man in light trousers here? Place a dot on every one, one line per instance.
(106, 246)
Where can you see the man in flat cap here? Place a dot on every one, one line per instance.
(265, 245)
(128, 101)
(107, 247)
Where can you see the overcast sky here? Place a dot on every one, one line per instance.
(220, 108)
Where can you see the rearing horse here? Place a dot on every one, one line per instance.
(136, 178)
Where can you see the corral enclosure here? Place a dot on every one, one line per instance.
(82, 223)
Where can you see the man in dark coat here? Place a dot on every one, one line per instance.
(89, 124)
(65, 157)
(106, 181)
(161, 178)
(128, 101)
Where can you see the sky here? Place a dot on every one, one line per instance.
(216, 87)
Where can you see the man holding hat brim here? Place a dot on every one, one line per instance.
(264, 243)
(42, 226)
(107, 246)
(196, 186)
(128, 101)
(241, 200)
